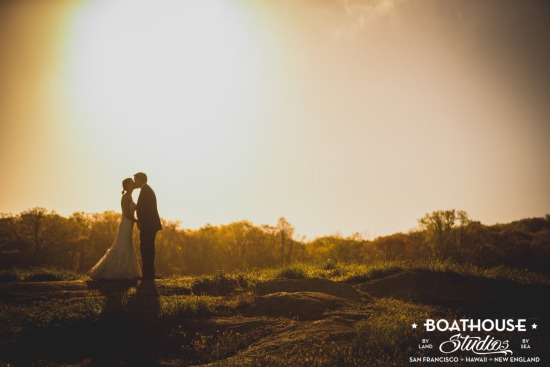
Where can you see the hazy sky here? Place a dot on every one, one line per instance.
(350, 116)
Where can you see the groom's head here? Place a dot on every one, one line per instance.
(140, 179)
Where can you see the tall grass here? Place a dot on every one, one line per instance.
(184, 307)
(356, 273)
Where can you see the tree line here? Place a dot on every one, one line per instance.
(38, 237)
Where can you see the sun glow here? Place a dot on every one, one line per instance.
(168, 74)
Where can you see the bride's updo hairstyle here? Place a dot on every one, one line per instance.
(125, 184)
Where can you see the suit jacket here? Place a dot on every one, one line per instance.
(146, 210)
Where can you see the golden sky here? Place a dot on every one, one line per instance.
(348, 116)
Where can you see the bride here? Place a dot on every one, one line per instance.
(120, 261)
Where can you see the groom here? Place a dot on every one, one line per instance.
(148, 224)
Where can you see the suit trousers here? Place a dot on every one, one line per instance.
(147, 248)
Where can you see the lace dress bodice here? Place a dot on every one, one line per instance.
(130, 210)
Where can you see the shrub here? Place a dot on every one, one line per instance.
(329, 265)
(294, 271)
(38, 275)
(49, 275)
(9, 276)
(220, 284)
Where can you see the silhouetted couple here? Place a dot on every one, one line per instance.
(120, 261)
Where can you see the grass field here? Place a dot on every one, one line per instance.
(223, 319)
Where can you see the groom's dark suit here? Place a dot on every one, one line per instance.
(149, 222)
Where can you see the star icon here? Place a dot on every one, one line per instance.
(534, 326)
(414, 325)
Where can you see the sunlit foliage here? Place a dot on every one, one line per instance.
(37, 237)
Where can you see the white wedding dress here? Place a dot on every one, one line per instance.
(120, 261)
